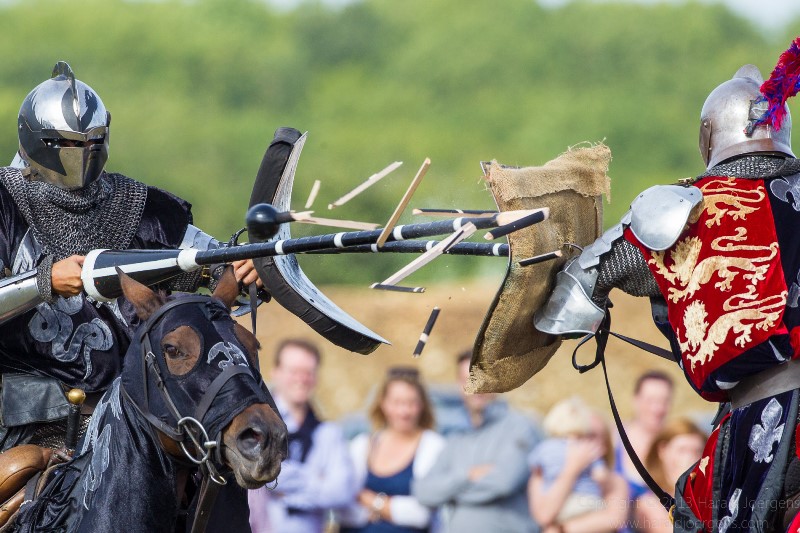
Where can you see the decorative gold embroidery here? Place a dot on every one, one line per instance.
(704, 341)
(742, 310)
(689, 275)
(721, 197)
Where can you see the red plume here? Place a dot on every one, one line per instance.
(783, 83)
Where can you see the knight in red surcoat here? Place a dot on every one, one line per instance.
(719, 258)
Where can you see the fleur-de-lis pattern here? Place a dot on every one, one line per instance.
(765, 435)
(733, 507)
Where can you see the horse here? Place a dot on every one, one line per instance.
(190, 402)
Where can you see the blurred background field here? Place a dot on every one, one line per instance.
(197, 87)
(347, 380)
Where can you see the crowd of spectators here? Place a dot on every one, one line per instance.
(467, 464)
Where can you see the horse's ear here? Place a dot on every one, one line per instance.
(145, 301)
(227, 288)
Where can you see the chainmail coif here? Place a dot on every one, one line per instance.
(104, 214)
(755, 166)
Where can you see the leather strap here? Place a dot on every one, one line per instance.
(601, 338)
(208, 493)
(252, 291)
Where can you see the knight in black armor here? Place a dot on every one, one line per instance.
(719, 258)
(57, 202)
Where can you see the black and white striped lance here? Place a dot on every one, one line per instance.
(99, 273)
(479, 249)
(423, 338)
(345, 239)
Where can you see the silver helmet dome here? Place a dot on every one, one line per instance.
(728, 116)
(63, 131)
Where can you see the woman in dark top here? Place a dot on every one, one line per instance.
(402, 448)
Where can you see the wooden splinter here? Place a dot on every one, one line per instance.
(534, 217)
(396, 288)
(403, 202)
(442, 246)
(313, 194)
(337, 223)
(369, 182)
(540, 258)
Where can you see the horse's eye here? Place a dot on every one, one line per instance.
(171, 351)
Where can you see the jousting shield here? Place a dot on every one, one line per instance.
(508, 349)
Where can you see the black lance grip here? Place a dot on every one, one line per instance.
(76, 397)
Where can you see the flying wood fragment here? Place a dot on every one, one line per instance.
(396, 288)
(336, 223)
(369, 182)
(442, 246)
(540, 258)
(404, 202)
(423, 338)
(313, 194)
(535, 217)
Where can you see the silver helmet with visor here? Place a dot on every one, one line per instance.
(63, 131)
(729, 117)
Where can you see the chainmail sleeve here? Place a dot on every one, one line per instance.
(625, 268)
(44, 279)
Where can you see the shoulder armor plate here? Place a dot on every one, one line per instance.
(659, 214)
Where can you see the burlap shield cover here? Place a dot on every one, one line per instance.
(508, 349)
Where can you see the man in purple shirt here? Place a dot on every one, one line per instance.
(317, 476)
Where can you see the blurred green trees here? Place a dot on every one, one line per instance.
(196, 89)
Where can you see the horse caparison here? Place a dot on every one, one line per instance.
(190, 399)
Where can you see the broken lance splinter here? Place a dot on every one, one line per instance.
(540, 258)
(396, 288)
(100, 279)
(423, 338)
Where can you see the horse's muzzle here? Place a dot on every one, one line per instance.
(255, 444)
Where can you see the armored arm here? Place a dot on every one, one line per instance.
(578, 303)
(18, 294)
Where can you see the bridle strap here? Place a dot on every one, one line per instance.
(205, 501)
(169, 431)
(216, 385)
(161, 311)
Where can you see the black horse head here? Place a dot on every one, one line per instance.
(192, 371)
(190, 397)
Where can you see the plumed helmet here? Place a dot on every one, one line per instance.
(63, 131)
(729, 121)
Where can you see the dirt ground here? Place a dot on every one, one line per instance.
(347, 380)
